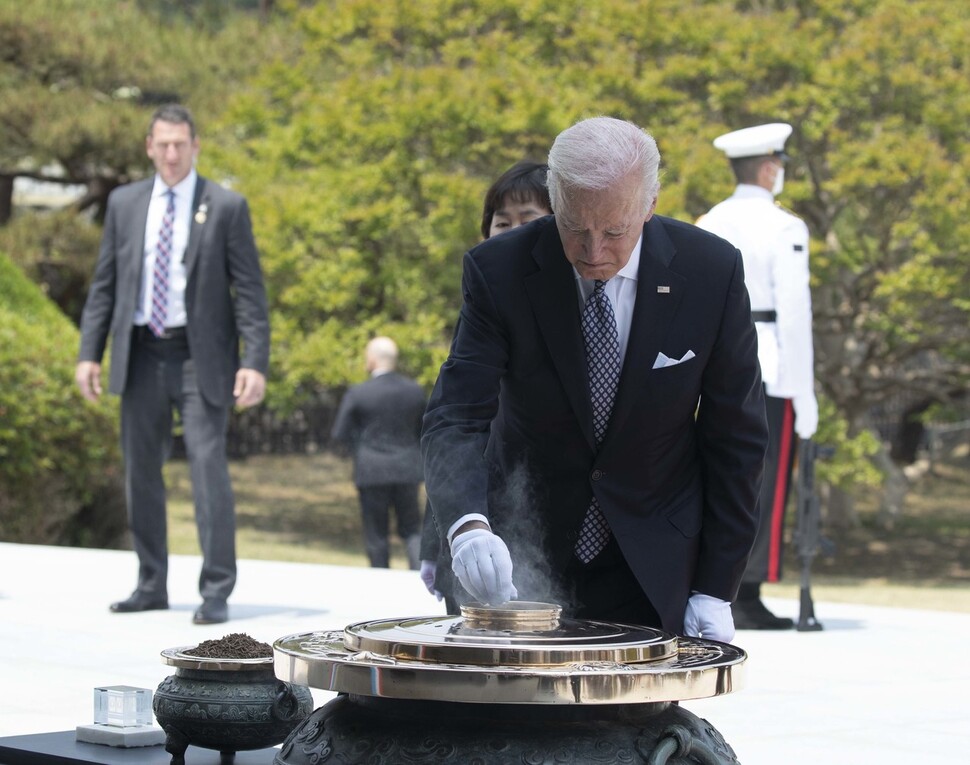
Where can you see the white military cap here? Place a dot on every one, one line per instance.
(757, 141)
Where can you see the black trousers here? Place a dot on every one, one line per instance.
(375, 504)
(161, 380)
(764, 565)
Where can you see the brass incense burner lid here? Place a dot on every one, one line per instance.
(520, 616)
(518, 653)
(515, 634)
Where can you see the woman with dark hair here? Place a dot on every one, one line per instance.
(516, 197)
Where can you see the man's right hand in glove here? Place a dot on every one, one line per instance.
(482, 563)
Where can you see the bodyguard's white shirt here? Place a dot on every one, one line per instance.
(184, 194)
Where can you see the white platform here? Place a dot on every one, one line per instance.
(878, 685)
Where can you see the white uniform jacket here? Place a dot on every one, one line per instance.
(774, 246)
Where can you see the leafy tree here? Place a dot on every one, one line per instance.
(80, 79)
(364, 133)
(366, 144)
(876, 95)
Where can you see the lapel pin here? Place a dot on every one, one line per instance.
(200, 213)
(663, 289)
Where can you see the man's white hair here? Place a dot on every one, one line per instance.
(596, 153)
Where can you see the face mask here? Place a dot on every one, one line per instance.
(779, 183)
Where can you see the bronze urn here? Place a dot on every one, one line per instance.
(516, 685)
(225, 704)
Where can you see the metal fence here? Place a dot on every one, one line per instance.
(261, 431)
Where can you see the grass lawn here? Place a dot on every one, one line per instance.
(304, 509)
(291, 508)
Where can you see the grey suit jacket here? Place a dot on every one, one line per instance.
(225, 297)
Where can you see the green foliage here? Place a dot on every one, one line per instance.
(366, 143)
(79, 81)
(851, 466)
(60, 474)
(364, 134)
(57, 251)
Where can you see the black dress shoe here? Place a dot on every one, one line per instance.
(211, 612)
(140, 601)
(753, 615)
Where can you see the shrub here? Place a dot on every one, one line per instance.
(60, 465)
(57, 250)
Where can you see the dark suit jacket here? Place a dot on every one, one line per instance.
(224, 297)
(678, 472)
(380, 421)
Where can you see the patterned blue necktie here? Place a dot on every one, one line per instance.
(603, 367)
(163, 258)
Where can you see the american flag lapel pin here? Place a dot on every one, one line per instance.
(663, 289)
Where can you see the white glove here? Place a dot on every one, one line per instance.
(806, 415)
(709, 617)
(428, 569)
(482, 563)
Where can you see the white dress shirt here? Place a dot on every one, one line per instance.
(184, 194)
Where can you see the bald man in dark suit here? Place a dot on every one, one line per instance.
(379, 422)
(638, 505)
(177, 285)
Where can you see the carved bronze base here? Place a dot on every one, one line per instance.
(227, 711)
(353, 730)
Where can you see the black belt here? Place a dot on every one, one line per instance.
(767, 316)
(144, 335)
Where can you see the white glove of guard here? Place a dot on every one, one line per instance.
(482, 563)
(428, 569)
(806, 415)
(709, 617)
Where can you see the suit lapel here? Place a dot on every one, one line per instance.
(552, 293)
(200, 210)
(659, 292)
(139, 221)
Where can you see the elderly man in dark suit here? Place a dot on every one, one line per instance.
(600, 420)
(380, 422)
(177, 284)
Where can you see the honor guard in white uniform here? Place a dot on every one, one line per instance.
(774, 246)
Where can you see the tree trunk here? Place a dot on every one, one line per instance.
(840, 512)
(894, 489)
(6, 198)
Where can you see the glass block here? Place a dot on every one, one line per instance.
(122, 706)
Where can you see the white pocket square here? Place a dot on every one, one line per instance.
(663, 360)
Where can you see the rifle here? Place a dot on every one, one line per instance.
(808, 530)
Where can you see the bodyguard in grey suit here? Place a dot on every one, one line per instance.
(177, 284)
(380, 422)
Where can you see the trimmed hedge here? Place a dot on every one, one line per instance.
(61, 480)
